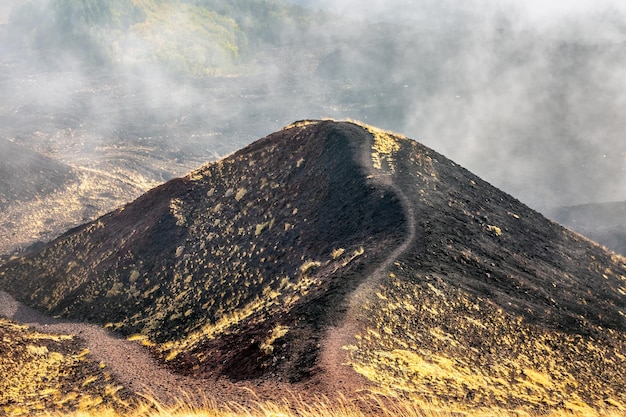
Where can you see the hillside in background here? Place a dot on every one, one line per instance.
(195, 37)
(335, 257)
(111, 91)
(603, 222)
(27, 174)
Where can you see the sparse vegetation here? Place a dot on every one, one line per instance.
(375, 405)
(523, 318)
(425, 334)
(384, 147)
(268, 345)
(42, 372)
(494, 229)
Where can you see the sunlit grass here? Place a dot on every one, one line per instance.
(419, 341)
(40, 372)
(295, 406)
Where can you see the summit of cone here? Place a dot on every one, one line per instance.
(339, 256)
(214, 265)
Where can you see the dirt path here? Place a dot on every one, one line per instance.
(137, 370)
(385, 179)
(340, 376)
(128, 361)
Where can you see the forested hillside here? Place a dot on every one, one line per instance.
(195, 37)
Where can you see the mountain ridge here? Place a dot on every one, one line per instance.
(333, 255)
(153, 227)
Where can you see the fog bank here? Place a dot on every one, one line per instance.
(529, 96)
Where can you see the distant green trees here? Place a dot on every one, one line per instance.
(264, 21)
(59, 29)
(185, 36)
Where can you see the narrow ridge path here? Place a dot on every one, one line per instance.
(133, 366)
(341, 377)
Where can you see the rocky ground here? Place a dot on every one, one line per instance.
(332, 256)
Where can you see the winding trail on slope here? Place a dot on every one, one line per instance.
(138, 371)
(130, 363)
(340, 376)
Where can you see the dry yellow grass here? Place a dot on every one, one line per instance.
(41, 371)
(294, 406)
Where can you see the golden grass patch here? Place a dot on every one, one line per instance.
(41, 372)
(295, 406)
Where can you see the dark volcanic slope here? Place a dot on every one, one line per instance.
(429, 280)
(493, 304)
(232, 250)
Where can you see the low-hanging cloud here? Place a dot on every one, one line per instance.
(527, 95)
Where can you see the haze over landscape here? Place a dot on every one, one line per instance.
(526, 96)
(326, 256)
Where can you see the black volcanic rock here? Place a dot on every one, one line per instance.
(330, 243)
(230, 249)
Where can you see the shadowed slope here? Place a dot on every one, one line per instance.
(219, 265)
(493, 305)
(329, 248)
(27, 175)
